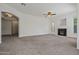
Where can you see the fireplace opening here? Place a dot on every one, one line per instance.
(62, 32)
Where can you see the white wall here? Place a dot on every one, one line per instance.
(78, 26)
(33, 25)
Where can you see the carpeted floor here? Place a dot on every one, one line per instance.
(38, 45)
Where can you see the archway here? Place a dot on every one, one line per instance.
(9, 24)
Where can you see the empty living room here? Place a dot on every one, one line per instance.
(39, 29)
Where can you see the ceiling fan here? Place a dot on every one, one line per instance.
(49, 13)
(23, 4)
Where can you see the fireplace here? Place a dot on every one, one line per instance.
(62, 31)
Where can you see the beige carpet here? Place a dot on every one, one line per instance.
(38, 45)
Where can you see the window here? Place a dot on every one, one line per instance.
(75, 25)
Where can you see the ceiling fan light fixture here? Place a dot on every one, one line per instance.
(49, 13)
(23, 4)
(9, 15)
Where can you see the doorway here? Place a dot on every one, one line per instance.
(53, 28)
(9, 25)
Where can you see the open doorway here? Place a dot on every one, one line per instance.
(9, 24)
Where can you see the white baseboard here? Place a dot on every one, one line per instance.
(33, 35)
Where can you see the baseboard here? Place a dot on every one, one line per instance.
(33, 35)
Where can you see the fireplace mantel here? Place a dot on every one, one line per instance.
(62, 27)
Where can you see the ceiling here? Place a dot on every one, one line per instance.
(42, 8)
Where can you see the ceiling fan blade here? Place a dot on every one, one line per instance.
(53, 14)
